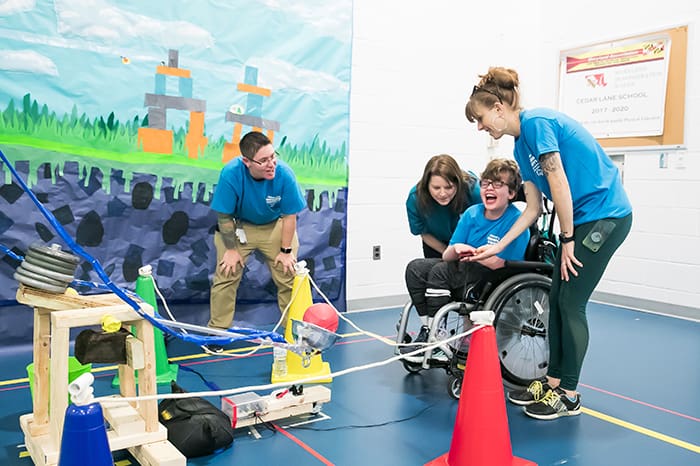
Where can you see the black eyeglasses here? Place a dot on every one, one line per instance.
(266, 160)
(483, 89)
(497, 184)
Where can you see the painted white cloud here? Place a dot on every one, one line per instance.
(329, 17)
(28, 61)
(98, 20)
(10, 7)
(277, 74)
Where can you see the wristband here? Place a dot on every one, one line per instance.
(565, 239)
(286, 250)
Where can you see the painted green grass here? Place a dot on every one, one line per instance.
(316, 165)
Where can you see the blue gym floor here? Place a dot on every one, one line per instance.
(640, 391)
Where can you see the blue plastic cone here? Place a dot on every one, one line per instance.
(84, 438)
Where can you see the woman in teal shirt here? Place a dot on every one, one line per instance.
(436, 202)
(560, 158)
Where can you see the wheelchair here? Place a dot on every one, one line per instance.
(518, 294)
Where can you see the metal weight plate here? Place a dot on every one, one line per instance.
(39, 277)
(54, 251)
(61, 277)
(38, 284)
(43, 262)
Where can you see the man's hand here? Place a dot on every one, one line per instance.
(230, 262)
(287, 261)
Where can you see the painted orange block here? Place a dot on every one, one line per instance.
(254, 89)
(195, 141)
(155, 140)
(232, 149)
(271, 135)
(180, 73)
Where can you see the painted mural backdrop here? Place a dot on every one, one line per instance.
(120, 114)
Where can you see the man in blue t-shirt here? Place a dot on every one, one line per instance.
(257, 199)
(432, 283)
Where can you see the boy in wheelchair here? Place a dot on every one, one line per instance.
(432, 283)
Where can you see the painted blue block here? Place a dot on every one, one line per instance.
(160, 84)
(186, 87)
(254, 105)
(251, 75)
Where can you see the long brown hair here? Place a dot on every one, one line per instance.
(445, 166)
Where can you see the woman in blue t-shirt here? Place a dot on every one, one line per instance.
(434, 204)
(560, 158)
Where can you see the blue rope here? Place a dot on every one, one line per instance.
(75, 247)
(9, 252)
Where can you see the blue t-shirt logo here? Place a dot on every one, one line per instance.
(535, 165)
(272, 201)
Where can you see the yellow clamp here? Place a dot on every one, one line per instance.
(110, 324)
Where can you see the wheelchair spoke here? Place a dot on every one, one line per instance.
(521, 327)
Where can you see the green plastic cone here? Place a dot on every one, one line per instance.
(165, 372)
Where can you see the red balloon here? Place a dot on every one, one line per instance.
(323, 315)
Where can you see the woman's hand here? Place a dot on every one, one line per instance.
(568, 260)
(464, 252)
(486, 251)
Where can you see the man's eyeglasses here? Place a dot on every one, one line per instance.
(266, 160)
(482, 89)
(497, 184)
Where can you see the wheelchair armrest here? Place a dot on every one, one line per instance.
(543, 267)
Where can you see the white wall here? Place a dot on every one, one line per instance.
(414, 65)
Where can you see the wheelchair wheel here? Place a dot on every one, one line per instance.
(521, 305)
(454, 386)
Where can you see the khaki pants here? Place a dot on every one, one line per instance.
(266, 239)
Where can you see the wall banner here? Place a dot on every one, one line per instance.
(617, 89)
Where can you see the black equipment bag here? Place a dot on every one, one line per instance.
(195, 426)
(92, 346)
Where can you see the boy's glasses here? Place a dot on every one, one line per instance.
(497, 184)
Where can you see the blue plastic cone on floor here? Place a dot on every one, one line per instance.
(84, 438)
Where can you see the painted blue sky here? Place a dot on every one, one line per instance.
(67, 52)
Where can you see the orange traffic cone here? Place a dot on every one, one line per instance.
(481, 436)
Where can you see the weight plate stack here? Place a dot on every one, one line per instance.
(47, 268)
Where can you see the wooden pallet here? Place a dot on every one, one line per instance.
(133, 426)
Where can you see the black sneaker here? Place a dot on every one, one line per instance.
(553, 405)
(421, 338)
(213, 349)
(532, 394)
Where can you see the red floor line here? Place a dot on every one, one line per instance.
(648, 405)
(303, 445)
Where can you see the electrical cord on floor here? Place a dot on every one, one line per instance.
(367, 426)
(266, 424)
(211, 385)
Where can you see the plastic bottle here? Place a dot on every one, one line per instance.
(279, 362)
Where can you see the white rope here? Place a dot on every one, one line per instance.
(121, 400)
